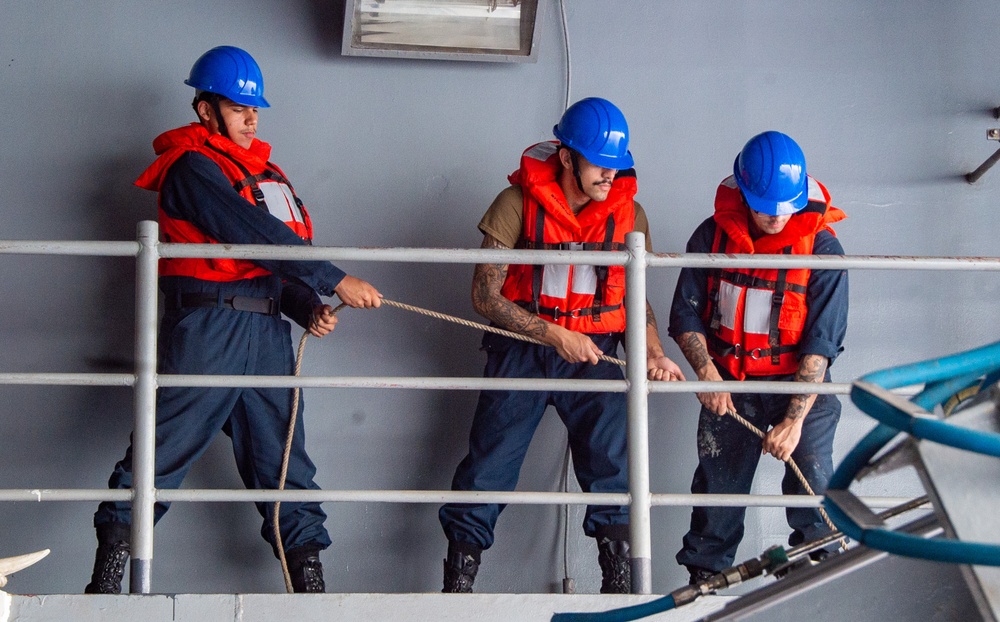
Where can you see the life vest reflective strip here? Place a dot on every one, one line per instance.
(755, 316)
(258, 181)
(582, 298)
(286, 206)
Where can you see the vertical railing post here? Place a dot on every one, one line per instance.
(638, 415)
(144, 403)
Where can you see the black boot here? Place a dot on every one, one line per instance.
(460, 569)
(109, 562)
(305, 569)
(616, 568)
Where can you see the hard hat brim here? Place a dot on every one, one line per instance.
(619, 163)
(769, 206)
(245, 100)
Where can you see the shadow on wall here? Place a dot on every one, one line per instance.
(114, 209)
(329, 20)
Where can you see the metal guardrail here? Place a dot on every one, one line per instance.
(147, 252)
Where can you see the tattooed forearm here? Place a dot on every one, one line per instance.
(487, 280)
(812, 368)
(650, 316)
(654, 347)
(695, 350)
(798, 406)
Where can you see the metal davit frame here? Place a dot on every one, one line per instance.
(147, 251)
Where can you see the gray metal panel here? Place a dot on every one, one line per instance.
(964, 488)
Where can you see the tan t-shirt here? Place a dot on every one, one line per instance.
(504, 218)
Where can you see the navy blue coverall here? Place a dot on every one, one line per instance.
(728, 453)
(503, 426)
(201, 340)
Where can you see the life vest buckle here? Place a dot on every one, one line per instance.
(757, 353)
(558, 313)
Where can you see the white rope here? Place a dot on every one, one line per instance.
(492, 329)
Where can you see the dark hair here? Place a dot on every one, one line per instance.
(208, 96)
(573, 152)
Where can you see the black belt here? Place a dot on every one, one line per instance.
(266, 306)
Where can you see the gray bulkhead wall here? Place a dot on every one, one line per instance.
(889, 100)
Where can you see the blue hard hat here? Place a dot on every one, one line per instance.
(771, 172)
(230, 72)
(597, 130)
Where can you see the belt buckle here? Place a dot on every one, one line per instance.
(756, 353)
(738, 350)
(253, 305)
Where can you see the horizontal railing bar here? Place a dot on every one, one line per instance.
(821, 262)
(761, 501)
(619, 258)
(402, 255)
(66, 494)
(430, 496)
(458, 255)
(435, 382)
(79, 248)
(754, 386)
(384, 382)
(79, 379)
(398, 496)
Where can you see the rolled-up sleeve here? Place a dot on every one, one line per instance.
(691, 292)
(827, 301)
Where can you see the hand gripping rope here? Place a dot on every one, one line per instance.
(491, 329)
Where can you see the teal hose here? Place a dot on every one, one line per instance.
(980, 360)
(943, 378)
(625, 614)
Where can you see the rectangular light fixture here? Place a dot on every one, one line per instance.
(478, 30)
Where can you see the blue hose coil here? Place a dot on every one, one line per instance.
(943, 378)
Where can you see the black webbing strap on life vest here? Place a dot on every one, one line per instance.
(566, 246)
(252, 181)
(721, 349)
(248, 179)
(536, 270)
(557, 313)
(602, 271)
(713, 294)
(777, 299)
(743, 279)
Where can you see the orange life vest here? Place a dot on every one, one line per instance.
(260, 182)
(755, 317)
(582, 298)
